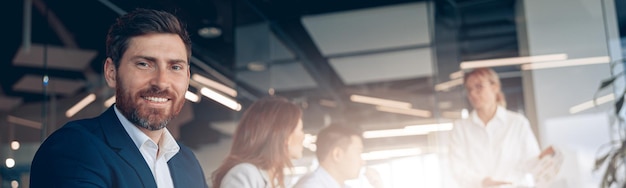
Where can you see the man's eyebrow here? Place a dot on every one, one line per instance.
(178, 61)
(143, 57)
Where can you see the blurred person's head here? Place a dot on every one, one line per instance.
(148, 65)
(339, 149)
(269, 135)
(484, 89)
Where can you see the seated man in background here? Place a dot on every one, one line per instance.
(339, 149)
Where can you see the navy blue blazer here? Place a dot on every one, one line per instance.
(98, 152)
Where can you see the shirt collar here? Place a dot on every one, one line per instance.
(326, 175)
(500, 116)
(169, 146)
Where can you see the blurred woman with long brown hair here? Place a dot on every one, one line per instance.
(268, 136)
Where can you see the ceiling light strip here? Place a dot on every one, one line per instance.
(589, 104)
(191, 96)
(386, 154)
(24, 122)
(567, 63)
(80, 105)
(379, 101)
(109, 101)
(511, 61)
(430, 127)
(228, 102)
(457, 75)
(449, 84)
(405, 111)
(215, 85)
(410, 130)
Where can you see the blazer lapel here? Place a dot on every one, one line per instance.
(119, 141)
(175, 171)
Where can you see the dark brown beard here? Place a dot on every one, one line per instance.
(149, 120)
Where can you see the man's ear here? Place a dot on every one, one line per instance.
(336, 154)
(110, 72)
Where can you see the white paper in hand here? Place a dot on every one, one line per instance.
(544, 170)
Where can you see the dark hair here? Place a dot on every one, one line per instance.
(333, 136)
(142, 22)
(261, 138)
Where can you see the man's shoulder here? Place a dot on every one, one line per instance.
(72, 135)
(313, 179)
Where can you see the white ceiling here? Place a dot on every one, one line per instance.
(370, 29)
(377, 50)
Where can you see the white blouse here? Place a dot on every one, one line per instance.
(499, 150)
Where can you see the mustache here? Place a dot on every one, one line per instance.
(155, 91)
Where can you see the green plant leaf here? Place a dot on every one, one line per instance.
(601, 161)
(617, 62)
(607, 82)
(619, 104)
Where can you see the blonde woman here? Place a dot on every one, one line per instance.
(490, 148)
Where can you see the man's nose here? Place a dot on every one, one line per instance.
(160, 78)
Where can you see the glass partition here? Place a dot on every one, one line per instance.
(393, 69)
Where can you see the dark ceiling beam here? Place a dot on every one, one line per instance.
(55, 23)
(295, 37)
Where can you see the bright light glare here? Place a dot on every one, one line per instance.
(15, 145)
(589, 104)
(228, 102)
(10, 162)
(191, 96)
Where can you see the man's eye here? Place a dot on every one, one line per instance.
(142, 64)
(177, 67)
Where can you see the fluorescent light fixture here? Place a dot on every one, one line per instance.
(457, 75)
(109, 101)
(297, 170)
(309, 142)
(449, 84)
(391, 133)
(405, 111)
(24, 122)
(567, 63)
(191, 96)
(328, 103)
(379, 101)
(511, 61)
(215, 85)
(386, 154)
(430, 127)
(228, 102)
(408, 130)
(589, 104)
(80, 105)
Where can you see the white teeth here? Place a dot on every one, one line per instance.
(156, 99)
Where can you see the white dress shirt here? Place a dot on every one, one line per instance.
(500, 149)
(156, 160)
(318, 179)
